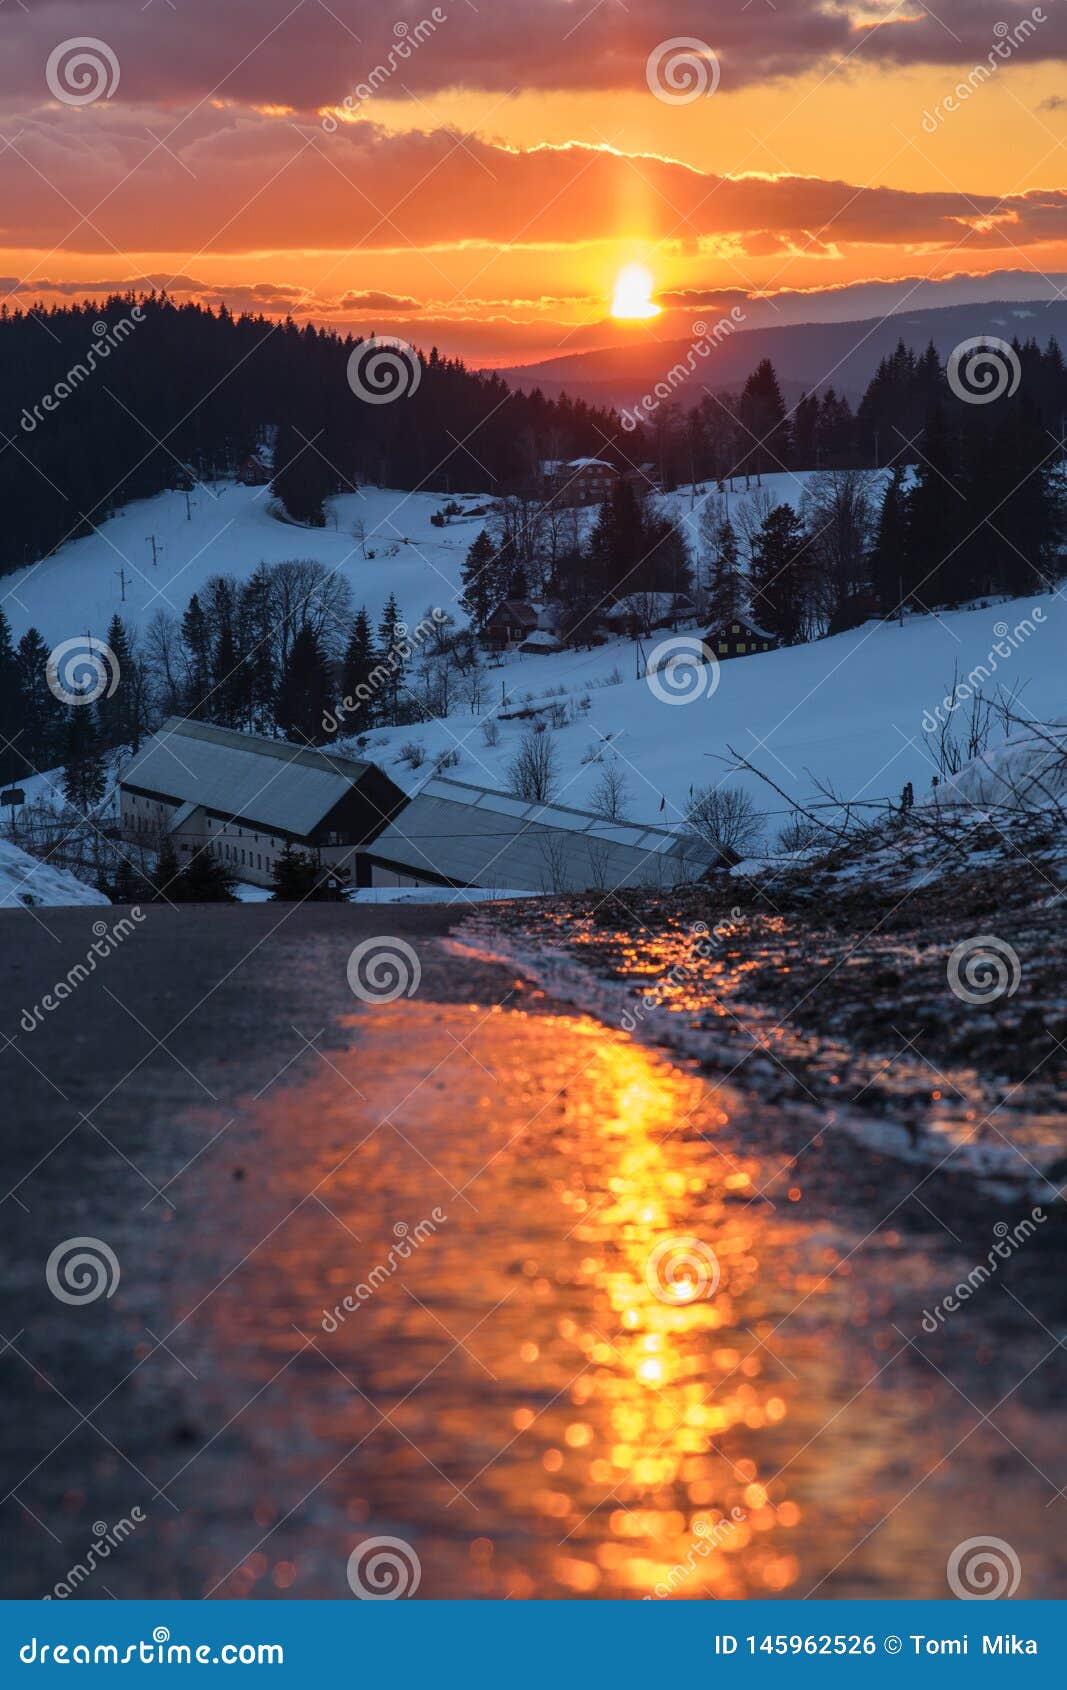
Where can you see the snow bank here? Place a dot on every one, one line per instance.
(25, 882)
(1026, 769)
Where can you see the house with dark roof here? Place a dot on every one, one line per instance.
(514, 620)
(246, 797)
(578, 481)
(740, 636)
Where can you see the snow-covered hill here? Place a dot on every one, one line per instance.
(25, 882)
(853, 710)
(228, 529)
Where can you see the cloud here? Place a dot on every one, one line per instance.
(248, 183)
(275, 52)
(376, 301)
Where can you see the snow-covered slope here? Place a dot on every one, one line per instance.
(25, 882)
(228, 529)
(854, 710)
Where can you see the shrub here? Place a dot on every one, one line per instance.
(725, 817)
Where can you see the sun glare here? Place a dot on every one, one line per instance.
(633, 293)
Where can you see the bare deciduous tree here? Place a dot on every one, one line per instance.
(610, 795)
(725, 817)
(532, 774)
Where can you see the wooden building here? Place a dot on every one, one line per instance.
(739, 637)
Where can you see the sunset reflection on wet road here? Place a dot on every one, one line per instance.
(512, 1394)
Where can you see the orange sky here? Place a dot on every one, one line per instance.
(494, 217)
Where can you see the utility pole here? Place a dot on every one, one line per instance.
(188, 507)
(900, 598)
(152, 542)
(121, 573)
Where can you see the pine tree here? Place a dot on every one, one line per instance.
(114, 716)
(302, 478)
(616, 544)
(303, 700)
(726, 595)
(764, 426)
(205, 879)
(297, 877)
(40, 713)
(779, 572)
(12, 731)
(168, 870)
(890, 543)
(936, 513)
(480, 582)
(356, 683)
(84, 777)
(196, 640)
(391, 633)
(257, 638)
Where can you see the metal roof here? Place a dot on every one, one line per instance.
(288, 787)
(717, 629)
(476, 837)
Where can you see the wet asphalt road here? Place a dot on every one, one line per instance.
(490, 1180)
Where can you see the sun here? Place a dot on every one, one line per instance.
(633, 293)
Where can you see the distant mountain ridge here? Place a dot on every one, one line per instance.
(842, 355)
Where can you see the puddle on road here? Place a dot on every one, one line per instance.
(534, 1384)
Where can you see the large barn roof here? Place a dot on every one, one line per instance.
(473, 836)
(288, 787)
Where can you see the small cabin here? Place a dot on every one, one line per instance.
(511, 622)
(254, 471)
(515, 621)
(739, 637)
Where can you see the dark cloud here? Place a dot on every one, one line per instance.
(306, 54)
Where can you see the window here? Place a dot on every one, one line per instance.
(735, 629)
(741, 647)
(724, 645)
